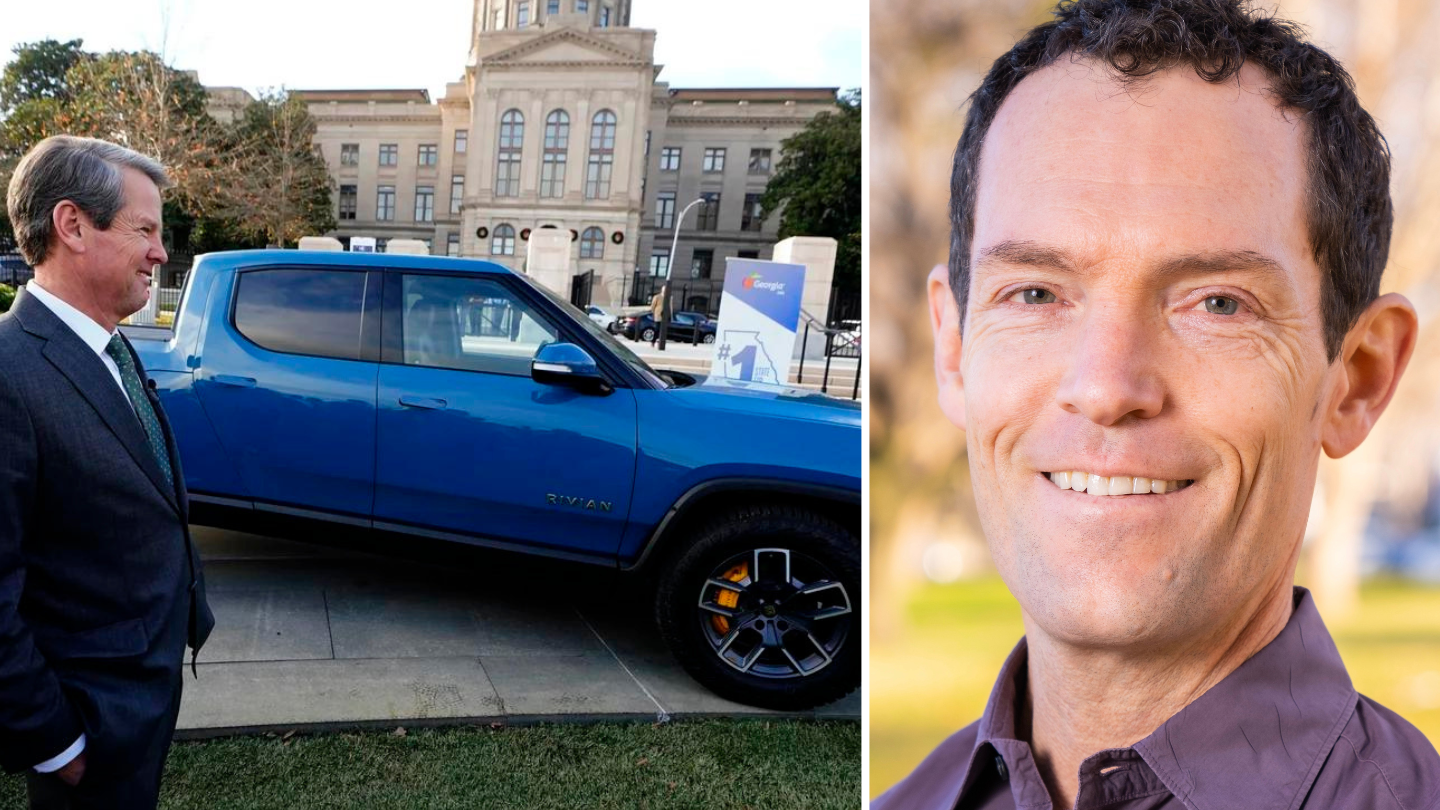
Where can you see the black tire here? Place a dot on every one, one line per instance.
(648, 335)
(798, 672)
(709, 338)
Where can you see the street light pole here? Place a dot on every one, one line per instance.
(664, 325)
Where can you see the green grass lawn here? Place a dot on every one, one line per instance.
(712, 764)
(935, 679)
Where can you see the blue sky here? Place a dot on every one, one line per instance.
(305, 44)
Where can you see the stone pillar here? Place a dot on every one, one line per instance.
(817, 253)
(547, 259)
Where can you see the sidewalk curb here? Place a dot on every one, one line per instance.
(515, 720)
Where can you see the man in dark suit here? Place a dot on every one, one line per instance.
(100, 586)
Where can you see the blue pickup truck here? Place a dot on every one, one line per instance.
(453, 399)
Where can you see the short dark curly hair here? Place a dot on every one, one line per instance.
(1348, 210)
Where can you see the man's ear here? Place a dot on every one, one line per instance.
(67, 220)
(1374, 355)
(945, 324)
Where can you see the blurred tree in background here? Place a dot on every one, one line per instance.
(816, 185)
(236, 185)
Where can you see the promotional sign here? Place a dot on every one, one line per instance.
(362, 244)
(759, 315)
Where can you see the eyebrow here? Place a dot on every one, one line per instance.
(1025, 252)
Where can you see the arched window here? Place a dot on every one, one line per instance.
(507, 169)
(557, 142)
(592, 244)
(502, 242)
(602, 155)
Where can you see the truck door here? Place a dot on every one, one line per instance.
(470, 445)
(288, 377)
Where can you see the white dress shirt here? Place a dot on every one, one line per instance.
(97, 338)
(91, 333)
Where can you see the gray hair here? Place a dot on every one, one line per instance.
(85, 171)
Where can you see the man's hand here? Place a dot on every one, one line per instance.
(73, 771)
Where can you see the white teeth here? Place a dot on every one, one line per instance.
(1095, 485)
(1113, 485)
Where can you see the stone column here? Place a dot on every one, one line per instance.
(817, 253)
(547, 259)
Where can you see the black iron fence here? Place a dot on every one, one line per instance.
(13, 269)
(840, 341)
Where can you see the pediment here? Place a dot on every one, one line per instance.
(567, 46)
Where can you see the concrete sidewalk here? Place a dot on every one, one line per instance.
(321, 638)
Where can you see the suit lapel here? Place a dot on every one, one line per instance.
(72, 358)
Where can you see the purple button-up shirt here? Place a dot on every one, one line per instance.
(1285, 730)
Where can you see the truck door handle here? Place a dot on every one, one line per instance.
(422, 402)
(238, 382)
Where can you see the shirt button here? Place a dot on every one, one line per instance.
(1000, 767)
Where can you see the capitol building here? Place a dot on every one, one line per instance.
(562, 120)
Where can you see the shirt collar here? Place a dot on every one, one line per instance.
(91, 333)
(1256, 739)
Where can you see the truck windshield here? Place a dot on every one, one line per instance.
(581, 320)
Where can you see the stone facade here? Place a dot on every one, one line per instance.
(560, 122)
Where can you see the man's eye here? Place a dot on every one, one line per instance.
(1220, 305)
(1034, 295)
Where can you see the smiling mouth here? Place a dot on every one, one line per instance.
(1115, 484)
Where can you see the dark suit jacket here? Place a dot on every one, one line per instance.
(100, 586)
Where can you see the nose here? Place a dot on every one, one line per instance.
(1113, 371)
(157, 251)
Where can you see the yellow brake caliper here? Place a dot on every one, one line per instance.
(728, 598)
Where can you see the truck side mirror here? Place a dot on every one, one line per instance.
(569, 365)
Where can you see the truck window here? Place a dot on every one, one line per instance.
(314, 312)
(469, 324)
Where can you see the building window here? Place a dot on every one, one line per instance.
(462, 140)
(592, 244)
(714, 160)
(552, 7)
(750, 219)
(602, 155)
(424, 203)
(385, 203)
(557, 143)
(502, 242)
(665, 209)
(700, 263)
(709, 217)
(582, 5)
(349, 154)
(452, 244)
(347, 202)
(670, 159)
(604, 16)
(759, 161)
(507, 172)
(522, 14)
(429, 154)
(660, 262)
(457, 192)
(389, 154)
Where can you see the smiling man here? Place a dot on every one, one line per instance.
(1169, 222)
(100, 586)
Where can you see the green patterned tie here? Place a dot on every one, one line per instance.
(130, 378)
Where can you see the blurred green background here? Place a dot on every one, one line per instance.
(941, 623)
(936, 680)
